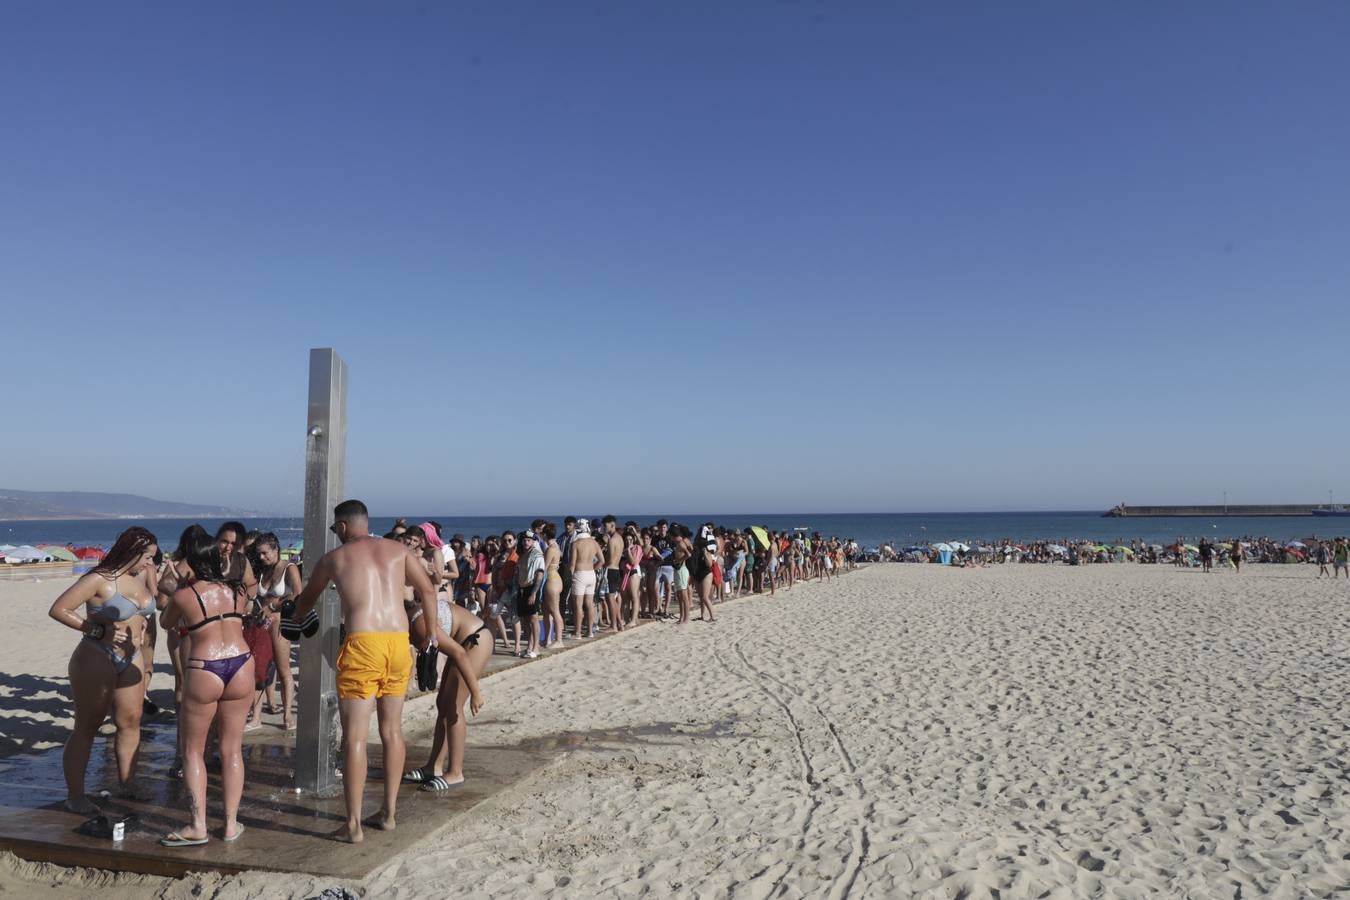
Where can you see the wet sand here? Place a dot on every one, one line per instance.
(1116, 730)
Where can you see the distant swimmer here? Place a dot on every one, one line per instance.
(374, 666)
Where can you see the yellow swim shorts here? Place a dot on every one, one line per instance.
(374, 663)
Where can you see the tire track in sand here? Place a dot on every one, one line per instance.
(859, 838)
(808, 771)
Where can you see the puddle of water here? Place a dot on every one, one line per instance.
(648, 734)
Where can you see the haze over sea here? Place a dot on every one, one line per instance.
(869, 529)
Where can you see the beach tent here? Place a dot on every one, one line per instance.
(26, 554)
(58, 551)
(90, 553)
(944, 551)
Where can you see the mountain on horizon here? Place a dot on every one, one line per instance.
(93, 505)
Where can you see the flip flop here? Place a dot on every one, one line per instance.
(416, 776)
(177, 840)
(438, 785)
(231, 840)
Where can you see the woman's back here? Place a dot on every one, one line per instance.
(209, 612)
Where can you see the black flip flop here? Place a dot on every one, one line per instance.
(416, 776)
(438, 785)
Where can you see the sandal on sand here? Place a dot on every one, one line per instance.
(417, 776)
(177, 840)
(438, 785)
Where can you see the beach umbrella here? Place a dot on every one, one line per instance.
(1057, 548)
(760, 535)
(90, 552)
(943, 547)
(1100, 548)
(65, 554)
(1190, 548)
(1299, 544)
(1126, 550)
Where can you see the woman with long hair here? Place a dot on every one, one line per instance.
(107, 667)
(553, 587)
(278, 581)
(218, 683)
(172, 575)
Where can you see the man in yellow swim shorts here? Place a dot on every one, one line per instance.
(375, 664)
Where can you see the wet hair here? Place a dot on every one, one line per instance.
(252, 537)
(180, 552)
(237, 527)
(203, 559)
(266, 539)
(128, 548)
(350, 509)
(548, 530)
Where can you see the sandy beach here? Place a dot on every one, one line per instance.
(909, 730)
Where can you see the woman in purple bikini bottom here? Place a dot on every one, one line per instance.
(217, 684)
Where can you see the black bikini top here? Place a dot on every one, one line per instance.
(209, 619)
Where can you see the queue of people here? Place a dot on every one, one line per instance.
(231, 607)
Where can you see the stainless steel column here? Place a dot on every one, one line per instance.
(316, 743)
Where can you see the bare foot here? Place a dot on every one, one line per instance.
(381, 820)
(347, 835)
(82, 805)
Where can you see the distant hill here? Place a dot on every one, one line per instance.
(91, 505)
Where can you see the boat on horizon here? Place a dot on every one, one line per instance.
(1331, 510)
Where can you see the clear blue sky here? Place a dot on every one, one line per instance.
(687, 257)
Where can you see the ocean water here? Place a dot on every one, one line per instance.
(869, 529)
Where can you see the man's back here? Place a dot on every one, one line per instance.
(370, 574)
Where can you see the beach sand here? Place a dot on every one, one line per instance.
(911, 730)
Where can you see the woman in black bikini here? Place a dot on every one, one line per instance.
(469, 647)
(217, 683)
(106, 669)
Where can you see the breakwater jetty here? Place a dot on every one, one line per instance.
(1214, 511)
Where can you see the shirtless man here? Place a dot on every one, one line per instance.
(374, 665)
(583, 561)
(614, 572)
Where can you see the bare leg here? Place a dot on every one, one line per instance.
(91, 682)
(281, 653)
(705, 607)
(389, 712)
(201, 690)
(233, 706)
(447, 759)
(355, 715)
(128, 699)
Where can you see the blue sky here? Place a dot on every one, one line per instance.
(690, 257)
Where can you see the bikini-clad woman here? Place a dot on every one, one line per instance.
(278, 581)
(553, 586)
(218, 683)
(632, 572)
(468, 649)
(107, 667)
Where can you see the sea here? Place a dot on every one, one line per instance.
(869, 529)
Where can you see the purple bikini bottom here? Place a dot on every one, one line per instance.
(223, 669)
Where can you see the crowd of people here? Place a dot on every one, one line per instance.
(1330, 554)
(231, 606)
